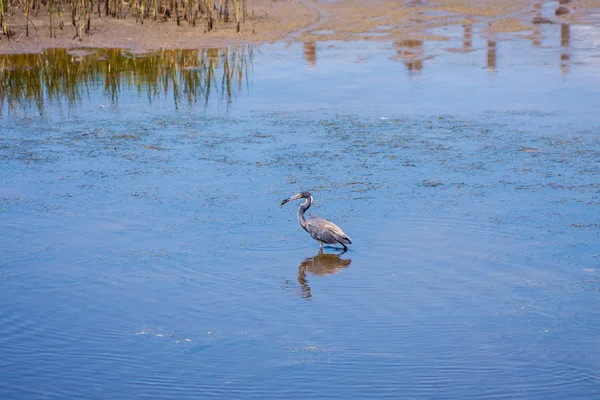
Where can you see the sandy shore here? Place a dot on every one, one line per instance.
(306, 20)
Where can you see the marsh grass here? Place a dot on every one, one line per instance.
(29, 81)
(212, 11)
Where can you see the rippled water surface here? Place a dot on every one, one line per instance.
(144, 253)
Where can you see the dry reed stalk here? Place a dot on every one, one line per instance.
(176, 9)
(50, 10)
(208, 5)
(27, 2)
(3, 17)
(81, 12)
(237, 12)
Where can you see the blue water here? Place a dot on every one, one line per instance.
(144, 253)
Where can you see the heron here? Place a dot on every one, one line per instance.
(320, 229)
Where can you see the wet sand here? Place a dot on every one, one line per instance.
(304, 20)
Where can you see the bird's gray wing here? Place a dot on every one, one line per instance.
(326, 231)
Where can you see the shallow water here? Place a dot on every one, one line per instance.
(145, 255)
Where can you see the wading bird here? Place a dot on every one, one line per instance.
(320, 229)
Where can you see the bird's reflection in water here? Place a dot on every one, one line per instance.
(322, 264)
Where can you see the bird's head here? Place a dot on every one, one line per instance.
(302, 195)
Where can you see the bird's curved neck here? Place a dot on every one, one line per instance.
(302, 209)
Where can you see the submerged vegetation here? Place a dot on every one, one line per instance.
(60, 75)
(79, 12)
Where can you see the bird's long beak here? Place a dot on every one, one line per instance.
(296, 197)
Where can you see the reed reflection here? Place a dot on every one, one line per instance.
(320, 265)
(565, 42)
(61, 75)
(536, 37)
(412, 53)
(491, 55)
(467, 37)
(310, 53)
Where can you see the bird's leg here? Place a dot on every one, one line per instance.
(321, 245)
(345, 248)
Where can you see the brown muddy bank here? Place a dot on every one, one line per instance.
(301, 20)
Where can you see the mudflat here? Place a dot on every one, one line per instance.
(295, 20)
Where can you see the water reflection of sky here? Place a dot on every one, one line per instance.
(446, 82)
